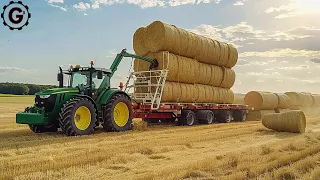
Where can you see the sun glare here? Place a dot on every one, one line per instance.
(308, 5)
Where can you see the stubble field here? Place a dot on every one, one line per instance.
(219, 151)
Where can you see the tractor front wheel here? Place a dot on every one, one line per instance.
(78, 117)
(118, 114)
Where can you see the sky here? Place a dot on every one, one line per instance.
(278, 40)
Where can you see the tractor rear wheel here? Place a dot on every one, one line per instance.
(78, 117)
(118, 114)
(41, 129)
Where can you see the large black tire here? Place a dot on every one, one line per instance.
(110, 123)
(239, 115)
(188, 118)
(205, 116)
(224, 116)
(68, 115)
(41, 129)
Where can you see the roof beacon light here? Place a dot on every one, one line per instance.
(91, 62)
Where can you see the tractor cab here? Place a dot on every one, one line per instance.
(87, 79)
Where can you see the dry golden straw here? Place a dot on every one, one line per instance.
(261, 100)
(292, 121)
(139, 125)
(299, 99)
(316, 100)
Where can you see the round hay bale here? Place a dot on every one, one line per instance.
(201, 93)
(256, 115)
(224, 54)
(167, 61)
(168, 93)
(229, 78)
(261, 100)
(139, 46)
(184, 93)
(161, 37)
(284, 101)
(195, 93)
(176, 92)
(216, 76)
(292, 121)
(209, 94)
(204, 74)
(307, 99)
(139, 125)
(140, 65)
(316, 100)
(233, 56)
(190, 93)
(183, 41)
(300, 99)
(201, 53)
(191, 50)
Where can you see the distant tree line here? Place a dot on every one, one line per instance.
(23, 89)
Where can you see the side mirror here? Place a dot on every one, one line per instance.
(100, 75)
(60, 79)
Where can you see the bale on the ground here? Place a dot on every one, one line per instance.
(256, 115)
(284, 101)
(292, 121)
(282, 110)
(261, 100)
(139, 125)
(139, 46)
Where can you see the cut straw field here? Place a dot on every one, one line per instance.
(218, 151)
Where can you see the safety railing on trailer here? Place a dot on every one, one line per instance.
(147, 86)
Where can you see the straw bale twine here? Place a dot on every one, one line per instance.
(233, 56)
(292, 121)
(284, 101)
(316, 100)
(139, 46)
(256, 115)
(261, 100)
(229, 77)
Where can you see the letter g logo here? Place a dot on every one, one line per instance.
(15, 15)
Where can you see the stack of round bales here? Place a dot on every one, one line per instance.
(200, 68)
(300, 99)
(261, 103)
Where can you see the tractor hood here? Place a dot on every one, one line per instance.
(58, 91)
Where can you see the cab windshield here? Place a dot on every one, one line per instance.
(83, 78)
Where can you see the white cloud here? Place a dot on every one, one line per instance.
(16, 69)
(85, 14)
(282, 53)
(296, 8)
(240, 3)
(60, 7)
(289, 68)
(55, 1)
(81, 6)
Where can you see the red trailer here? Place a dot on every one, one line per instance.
(148, 106)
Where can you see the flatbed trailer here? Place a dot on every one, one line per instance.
(148, 105)
(189, 114)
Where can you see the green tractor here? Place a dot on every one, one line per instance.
(87, 102)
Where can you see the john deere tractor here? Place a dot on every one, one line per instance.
(87, 102)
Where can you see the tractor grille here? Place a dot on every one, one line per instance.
(47, 103)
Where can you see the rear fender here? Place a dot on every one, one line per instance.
(104, 99)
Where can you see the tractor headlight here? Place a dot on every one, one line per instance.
(44, 96)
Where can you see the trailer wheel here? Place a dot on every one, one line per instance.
(188, 118)
(239, 115)
(224, 116)
(205, 116)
